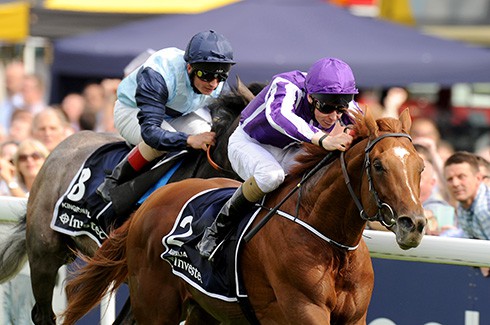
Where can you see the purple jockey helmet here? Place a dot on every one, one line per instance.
(330, 76)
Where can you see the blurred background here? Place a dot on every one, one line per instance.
(431, 56)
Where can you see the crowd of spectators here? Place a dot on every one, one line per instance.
(29, 130)
(25, 113)
(453, 192)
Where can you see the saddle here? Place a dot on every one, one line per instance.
(220, 278)
(81, 211)
(132, 193)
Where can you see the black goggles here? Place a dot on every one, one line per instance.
(328, 108)
(210, 76)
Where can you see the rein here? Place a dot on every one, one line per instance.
(211, 161)
(367, 166)
(328, 158)
(215, 165)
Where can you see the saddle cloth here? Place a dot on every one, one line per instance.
(220, 278)
(81, 211)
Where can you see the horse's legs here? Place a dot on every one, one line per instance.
(198, 316)
(125, 316)
(43, 279)
(46, 256)
(166, 297)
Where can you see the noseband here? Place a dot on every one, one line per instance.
(382, 206)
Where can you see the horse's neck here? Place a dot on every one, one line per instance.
(329, 206)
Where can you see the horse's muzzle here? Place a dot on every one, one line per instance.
(409, 231)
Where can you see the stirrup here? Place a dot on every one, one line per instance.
(103, 190)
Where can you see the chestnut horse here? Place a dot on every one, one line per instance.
(48, 249)
(310, 267)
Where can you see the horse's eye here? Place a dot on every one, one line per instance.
(378, 166)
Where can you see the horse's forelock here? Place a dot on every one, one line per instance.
(389, 124)
(365, 125)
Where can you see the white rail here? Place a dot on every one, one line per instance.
(12, 208)
(432, 249)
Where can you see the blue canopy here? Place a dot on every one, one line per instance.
(272, 36)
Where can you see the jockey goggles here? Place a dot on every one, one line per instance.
(210, 76)
(328, 107)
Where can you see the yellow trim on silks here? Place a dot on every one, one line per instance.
(398, 11)
(140, 7)
(14, 21)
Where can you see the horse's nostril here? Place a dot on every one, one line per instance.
(421, 225)
(405, 223)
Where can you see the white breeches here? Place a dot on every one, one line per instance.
(126, 122)
(268, 164)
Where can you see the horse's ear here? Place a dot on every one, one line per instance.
(244, 91)
(406, 120)
(370, 123)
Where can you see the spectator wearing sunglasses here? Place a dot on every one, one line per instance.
(18, 298)
(27, 161)
(161, 105)
(294, 107)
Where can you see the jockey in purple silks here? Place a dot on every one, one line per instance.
(295, 107)
(161, 106)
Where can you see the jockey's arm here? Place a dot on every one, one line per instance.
(280, 108)
(151, 97)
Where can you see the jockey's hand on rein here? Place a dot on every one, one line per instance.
(340, 141)
(201, 140)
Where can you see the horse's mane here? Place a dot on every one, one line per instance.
(313, 154)
(226, 108)
(224, 111)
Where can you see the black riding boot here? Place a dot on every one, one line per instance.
(228, 216)
(122, 173)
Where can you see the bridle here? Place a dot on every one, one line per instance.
(328, 158)
(382, 206)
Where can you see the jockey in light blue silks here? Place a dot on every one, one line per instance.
(161, 106)
(295, 107)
